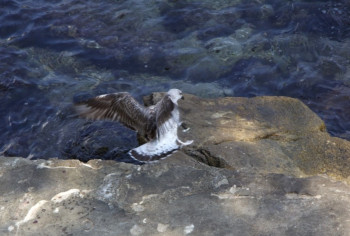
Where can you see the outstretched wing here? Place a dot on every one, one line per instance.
(163, 110)
(121, 107)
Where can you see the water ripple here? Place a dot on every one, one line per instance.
(52, 52)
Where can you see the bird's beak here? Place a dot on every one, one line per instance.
(182, 97)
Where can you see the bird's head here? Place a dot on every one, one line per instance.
(175, 95)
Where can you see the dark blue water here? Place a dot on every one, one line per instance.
(54, 51)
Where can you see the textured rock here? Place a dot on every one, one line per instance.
(263, 134)
(178, 196)
(254, 169)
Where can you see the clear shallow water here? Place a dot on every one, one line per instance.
(52, 52)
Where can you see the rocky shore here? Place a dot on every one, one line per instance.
(258, 166)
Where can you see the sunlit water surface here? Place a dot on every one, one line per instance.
(52, 52)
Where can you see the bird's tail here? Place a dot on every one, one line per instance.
(153, 151)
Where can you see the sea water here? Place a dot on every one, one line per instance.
(53, 51)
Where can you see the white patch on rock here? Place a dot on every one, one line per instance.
(233, 193)
(222, 182)
(136, 230)
(188, 229)
(147, 197)
(144, 221)
(47, 166)
(65, 195)
(32, 212)
(137, 207)
(57, 210)
(10, 228)
(233, 189)
(231, 196)
(129, 176)
(109, 188)
(161, 228)
(14, 162)
(220, 114)
(301, 196)
(88, 165)
(84, 192)
(22, 181)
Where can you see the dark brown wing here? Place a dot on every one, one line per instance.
(164, 108)
(121, 107)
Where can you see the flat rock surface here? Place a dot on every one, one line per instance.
(258, 166)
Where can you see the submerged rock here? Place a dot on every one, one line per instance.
(225, 49)
(254, 169)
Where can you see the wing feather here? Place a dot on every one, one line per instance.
(164, 108)
(121, 107)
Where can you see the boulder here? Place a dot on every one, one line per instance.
(258, 166)
(263, 134)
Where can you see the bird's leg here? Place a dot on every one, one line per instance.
(184, 143)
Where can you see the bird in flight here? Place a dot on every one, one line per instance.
(158, 124)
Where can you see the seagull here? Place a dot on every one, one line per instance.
(158, 124)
